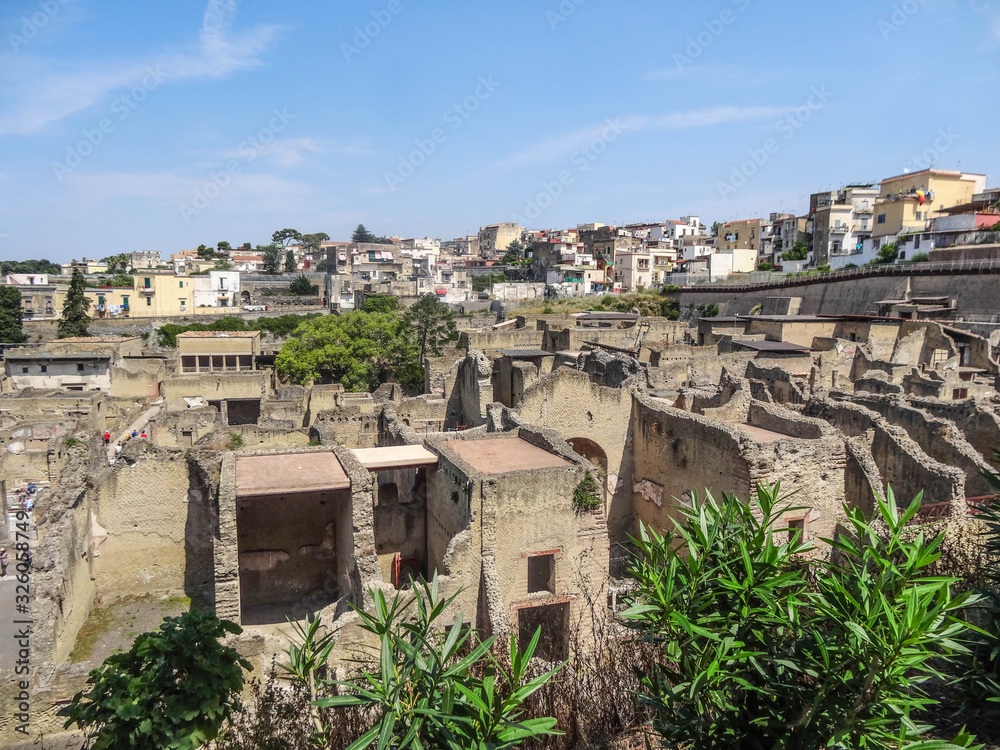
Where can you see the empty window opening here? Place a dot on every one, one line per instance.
(542, 574)
(553, 622)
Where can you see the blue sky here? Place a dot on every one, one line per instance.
(163, 124)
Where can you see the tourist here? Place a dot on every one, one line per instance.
(118, 449)
(143, 434)
(3, 563)
(107, 438)
(135, 434)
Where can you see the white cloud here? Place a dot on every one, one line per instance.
(38, 91)
(562, 145)
(296, 152)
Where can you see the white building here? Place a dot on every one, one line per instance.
(217, 289)
(633, 270)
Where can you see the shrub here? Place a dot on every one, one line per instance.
(235, 442)
(437, 690)
(850, 265)
(754, 658)
(548, 310)
(607, 300)
(765, 266)
(174, 688)
(586, 495)
(920, 258)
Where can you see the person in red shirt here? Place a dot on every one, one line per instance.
(143, 434)
(107, 438)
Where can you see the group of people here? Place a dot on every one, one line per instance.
(4, 561)
(118, 445)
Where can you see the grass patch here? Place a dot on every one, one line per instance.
(100, 622)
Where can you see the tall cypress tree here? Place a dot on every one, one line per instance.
(11, 316)
(74, 318)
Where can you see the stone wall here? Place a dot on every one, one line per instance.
(215, 387)
(159, 518)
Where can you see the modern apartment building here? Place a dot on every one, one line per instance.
(496, 238)
(841, 220)
(907, 202)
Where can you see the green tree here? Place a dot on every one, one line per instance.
(11, 316)
(752, 658)
(799, 251)
(121, 262)
(361, 234)
(716, 227)
(380, 303)
(302, 286)
(290, 261)
(434, 324)
(205, 253)
(313, 242)
(29, 266)
(359, 350)
(284, 236)
(74, 320)
(514, 254)
(434, 688)
(887, 254)
(224, 247)
(173, 689)
(272, 259)
(222, 264)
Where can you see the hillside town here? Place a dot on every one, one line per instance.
(277, 435)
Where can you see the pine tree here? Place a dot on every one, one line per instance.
(11, 316)
(289, 262)
(74, 319)
(361, 234)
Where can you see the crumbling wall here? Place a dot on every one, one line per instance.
(182, 429)
(677, 453)
(473, 391)
(159, 522)
(938, 438)
(567, 401)
(784, 388)
(975, 418)
(214, 387)
(401, 521)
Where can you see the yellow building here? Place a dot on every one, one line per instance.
(162, 295)
(740, 235)
(496, 238)
(218, 351)
(908, 201)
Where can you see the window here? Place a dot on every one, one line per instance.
(881, 218)
(124, 300)
(149, 301)
(916, 242)
(24, 370)
(181, 284)
(920, 215)
(147, 283)
(542, 574)
(100, 299)
(45, 368)
(183, 304)
(188, 364)
(959, 393)
(223, 303)
(797, 528)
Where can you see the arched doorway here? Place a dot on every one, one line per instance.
(595, 454)
(245, 297)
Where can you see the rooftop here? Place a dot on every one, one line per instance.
(526, 353)
(395, 457)
(505, 454)
(95, 340)
(289, 474)
(772, 346)
(218, 335)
